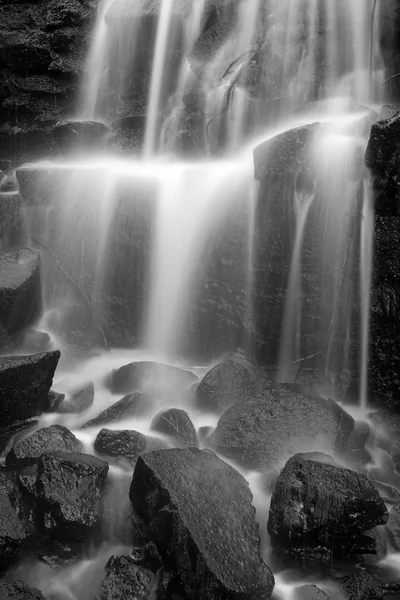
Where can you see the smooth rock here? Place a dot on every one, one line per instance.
(125, 579)
(393, 525)
(199, 513)
(80, 401)
(25, 382)
(55, 438)
(136, 376)
(127, 444)
(176, 424)
(20, 290)
(319, 512)
(131, 405)
(19, 590)
(278, 423)
(360, 585)
(69, 487)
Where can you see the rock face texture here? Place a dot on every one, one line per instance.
(20, 290)
(199, 513)
(125, 579)
(19, 590)
(49, 439)
(25, 382)
(320, 512)
(127, 445)
(277, 423)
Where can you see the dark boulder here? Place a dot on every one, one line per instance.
(127, 445)
(360, 585)
(227, 383)
(176, 424)
(57, 553)
(25, 382)
(80, 400)
(80, 135)
(54, 400)
(199, 513)
(136, 376)
(69, 489)
(15, 526)
(20, 290)
(285, 153)
(320, 512)
(310, 592)
(19, 590)
(278, 423)
(12, 432)
(393, 526)
(55, 438)
(125, 579)
(383, 151)
(131, 405)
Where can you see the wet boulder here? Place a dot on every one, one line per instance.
(125, 579)
(20, 290)
(320, 512)
(360, 585)
(175, 423)
(227, 383)
(48, 439)
(393, 526)
(25, 382)
(199, 513)
(127, 445)
(80, 400)
(277, 423)
(15, 526)
(131, 405)
(19, 590)
(136, 376)
(68, 488)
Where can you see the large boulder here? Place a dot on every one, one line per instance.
(55, 438)
(19, 590)
(68, 487)
(20, 290)
(320, 512)
(360, 585)
(277, 423)
(149, 375)
(25, 382)
(131, 405)
(199, 513)
(125, 579)
(175, 423)
(126, 445)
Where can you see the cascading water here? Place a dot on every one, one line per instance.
(160, 248)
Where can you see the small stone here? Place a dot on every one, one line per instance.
(176, 424)
(125, 579)
(126, 444)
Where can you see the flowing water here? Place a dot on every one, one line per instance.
(161, 247)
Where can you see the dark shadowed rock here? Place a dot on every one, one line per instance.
(360, 585)
(135, 376)
(69, 489)
(227, 383)
(54, 400)
(13, 432)
(278, 423)
(25, 382)
(320, 511)
(125, 579)
(128, 444)
(393, 525)
(57, 553)
(131, 405)
(383, 151)
(199, 513)
(20, 290)
(79, 135)
(79, 401)
(15, 527)
(49, 439)
(285, 153)
(310, 592)
(176, 424)
(19, 590)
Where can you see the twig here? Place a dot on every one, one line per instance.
(301, 360)
(391, 78)
(76, 286)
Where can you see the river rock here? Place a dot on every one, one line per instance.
(69, 487)
(20, 290)
(80, 400)
(393, 525)
(176, 424)
(360, 585)
(19, 590)
(310, 592)
(131, 405)
(48, 439)
(25, 382)
(321, 511)
(126, 444)
(199, 512)
(277, 423)
(125, 579)
(15, 527)
(135, 376)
